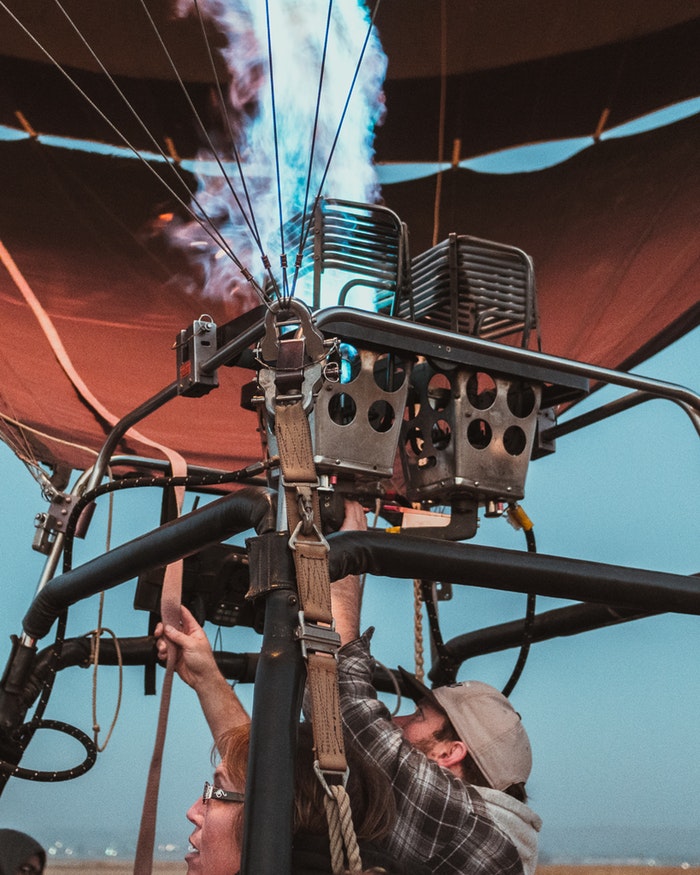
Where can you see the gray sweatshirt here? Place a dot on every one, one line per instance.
(516, 821)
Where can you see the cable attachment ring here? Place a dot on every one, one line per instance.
(342, 778)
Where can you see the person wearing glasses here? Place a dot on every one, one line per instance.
(457, 767)
(20, 854)
(217, 816)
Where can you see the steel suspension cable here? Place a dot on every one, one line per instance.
(306, 224)
(218, 237)
(248, 218)
(283, 254)
(203, 221)
(317, 109)
(441, 121)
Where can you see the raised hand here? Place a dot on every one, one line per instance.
(194, 659)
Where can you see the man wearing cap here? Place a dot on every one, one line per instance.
(458, 764)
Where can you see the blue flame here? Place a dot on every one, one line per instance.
(280, 134)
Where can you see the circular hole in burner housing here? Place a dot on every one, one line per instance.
(521, 399)
(389, 372)
(415, 440)
(342, 409)
(481, 390)
(514, 440)
(381, 416)
(479, 434)
(439, 391)
(440, 434)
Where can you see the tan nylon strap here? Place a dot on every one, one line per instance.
(310, 554)
(311, 562)
(64, 360)
(294, 442)
(170, 600)
(313, 581)
(319, 642)
(325, 707)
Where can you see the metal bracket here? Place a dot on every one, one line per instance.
(310, 385)
(544, 446)
(292, 337)
(319, 639)
(443, 591)
(52, 522)
(195, 346)
(282, 317)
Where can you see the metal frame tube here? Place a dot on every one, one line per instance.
(571, 620)
(120, 428)
(611, 409)
(279, 686)
(434, 343)
(248, 508)
(409, 556)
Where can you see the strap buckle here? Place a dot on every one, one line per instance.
(319, 639)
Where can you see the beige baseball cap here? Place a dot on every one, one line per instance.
(487, 723)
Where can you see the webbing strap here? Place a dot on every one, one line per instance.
(311, 562)
(64, 360)
(325, 708)
(310, 553)
(319, 640)
(294, 442)
(170, 613)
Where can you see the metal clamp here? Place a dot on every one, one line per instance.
(319, 639)
(313, 375)
(289, 314)
(50, 523)
(195, 346)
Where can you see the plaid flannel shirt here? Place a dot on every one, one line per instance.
(442, 822)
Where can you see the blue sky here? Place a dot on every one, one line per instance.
(612, 714)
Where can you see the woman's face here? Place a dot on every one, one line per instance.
(216, 840)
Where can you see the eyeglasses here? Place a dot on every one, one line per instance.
(213, 792)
